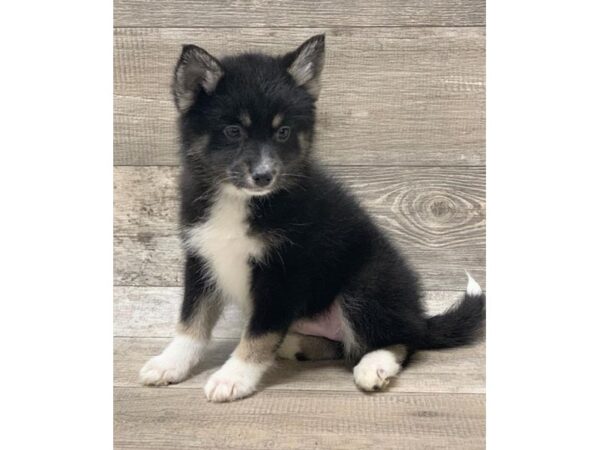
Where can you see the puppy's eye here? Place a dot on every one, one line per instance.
(282, 134)
(233, 132)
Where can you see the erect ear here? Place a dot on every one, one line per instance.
(306, 62)
(195, 70)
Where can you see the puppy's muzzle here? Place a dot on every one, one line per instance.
(263, 177)
(264, 174)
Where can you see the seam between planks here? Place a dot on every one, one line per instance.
(399, 166)
(181, 285)
(316, 392)
(284, 27)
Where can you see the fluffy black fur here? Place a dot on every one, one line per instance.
(321, 245)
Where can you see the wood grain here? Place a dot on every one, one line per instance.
(148, 260)
(303, 13)
(152, 311)
(147, 418)
(435, 215)
(411, 96)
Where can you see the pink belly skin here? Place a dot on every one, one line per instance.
(328, 324)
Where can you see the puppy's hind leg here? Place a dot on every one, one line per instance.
(375, 368)
(301, 347)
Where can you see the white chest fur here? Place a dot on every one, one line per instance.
(224, 243)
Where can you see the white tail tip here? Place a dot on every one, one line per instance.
(473, 287)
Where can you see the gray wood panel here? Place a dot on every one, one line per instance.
(297, 13)
(147, 260)
(147, 418)
(153, 311)
(411, 96)
(435, 215)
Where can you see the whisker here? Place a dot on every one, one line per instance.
(295, 175)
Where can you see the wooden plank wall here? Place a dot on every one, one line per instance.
(411, 96)
(401, 121)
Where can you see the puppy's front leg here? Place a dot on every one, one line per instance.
(200, 310)
(241, 374)
(272, 315)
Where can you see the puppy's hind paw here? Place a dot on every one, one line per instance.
(374, 371)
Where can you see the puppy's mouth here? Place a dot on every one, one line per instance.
(257, 192)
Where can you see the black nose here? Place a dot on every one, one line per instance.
(262, 178)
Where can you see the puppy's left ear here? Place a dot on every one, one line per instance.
(306, 63)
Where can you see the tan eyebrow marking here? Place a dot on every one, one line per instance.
(245, 119)
(277, 120)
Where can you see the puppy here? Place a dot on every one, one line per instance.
(264, 226)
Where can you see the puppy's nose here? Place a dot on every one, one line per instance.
(262, 177)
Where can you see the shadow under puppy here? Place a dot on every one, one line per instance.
(263, 225)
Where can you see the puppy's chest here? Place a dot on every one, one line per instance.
(224, 243)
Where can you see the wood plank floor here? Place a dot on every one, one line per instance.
(181, 419)
(438, 401)
(401, 121)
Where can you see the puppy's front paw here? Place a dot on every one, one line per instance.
(174, 364)
(233, 381)
(161, 370)
(374, 370)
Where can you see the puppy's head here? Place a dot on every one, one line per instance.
(247, 121)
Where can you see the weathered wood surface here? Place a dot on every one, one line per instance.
(147, 418)
(302, 13)
(411, 96)
(435, 215)
(158, 261)
(152, 311)
(149, 260)
(434, 206)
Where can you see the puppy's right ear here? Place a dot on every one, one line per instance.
(195, 70)
(306, 63)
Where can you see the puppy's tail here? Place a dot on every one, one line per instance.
(461, 324)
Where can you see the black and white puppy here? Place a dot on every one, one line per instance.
(264, 226)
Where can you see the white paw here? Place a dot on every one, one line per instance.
(174, 364)
(236, 379)
(160, 371)
(227, 387)
(375, 369)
